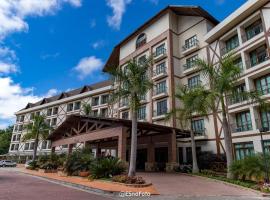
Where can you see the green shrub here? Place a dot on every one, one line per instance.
(107, 167)
(248, 168)
(128, 180)
(49, 165)
(78, 161)
(33, 165)
(52, 161)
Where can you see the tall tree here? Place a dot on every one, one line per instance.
(37, 130)
(221, 80)
(5, 138)
(194, 101)
(133, 83)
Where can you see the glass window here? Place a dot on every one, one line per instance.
(232, 43)
(32, 144)
(20, 127)
(162, 107)
(254, 29)
(95, 101)
(44, 145)
(240, 89)
(22, 118)
(258, 56)
(124, 102)
(142, 60)
(160, 50)
(12, 147)
(14, 138)
(191, 61)
(263, 84)
(16, 147)
(160, 87)
(190, 42)
(142, 113)
(243, 121)
(141, 40)
(160, 68)
(32, 116)
(243, 150)
(198, 126)
(54, 121)
(77, 105)
(104, 112)
(104, 99)
(266, 145)
(49, 112)
(70, 107)
(194, 81)
(239, 63)
(125, 115)
(95, 113)
(26, 146)
(19, 137)
(55, 110)
(265, 120)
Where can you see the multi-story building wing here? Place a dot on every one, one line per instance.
(56, 109)
(175, 37)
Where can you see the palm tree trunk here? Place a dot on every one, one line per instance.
(133, 151)
(35, 147)
(227, 140)
(195, 168)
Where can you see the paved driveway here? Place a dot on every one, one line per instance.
(184, 185)
(15, 185)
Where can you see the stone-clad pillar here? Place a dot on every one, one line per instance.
(172, 153)
(122, 145)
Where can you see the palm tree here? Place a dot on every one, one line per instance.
(133, 84)
(221, 80)
(193, 101)
(37, 130)
(87, 109)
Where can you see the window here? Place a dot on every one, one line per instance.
(55, 110)
(19, 137)
(240, 89)
(37, 113)
(243, 150)
(142, 113)
(104, 99)
(162, 107)
(15, 128)
(77, 105)
(12, 147)
(104, 112)
(26, 146)
(231, 44)
(266, 146)
(194, 81)
(198, 126)
(265, 120)
(16, 147)
(254, 29)
(49, 144)
(44, 145)
(22, 118)
(142, 60)
(263, 84)
(32, 116)
(160, 88)
(160, 50)
(32, 144)
(95, 101)
(70, 107)
(48, 121)
(124, 102)
(95, 113)
(239, 63)
(160, 69)
(243, 121)
(191, 61)
(17, 118)
(49, 112)
(191, 42)
(125, 115)
(20, 128)
(14, 138)
(54, 121)
(258, 56)
(141, 40)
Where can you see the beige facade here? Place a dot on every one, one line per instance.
(177, 36)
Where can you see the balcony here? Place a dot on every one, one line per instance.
(190, 47)
(226, 50)
(263, 126)
(160, 114)
(236, 128)
(160, 92)
(236, 99)
(189, 67)
(159, 54)
(265, 90)
(159, 73)
(253, 62)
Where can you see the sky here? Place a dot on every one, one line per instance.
(50, 46)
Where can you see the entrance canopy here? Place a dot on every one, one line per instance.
(77, 128)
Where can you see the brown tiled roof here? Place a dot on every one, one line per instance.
(177, 9)
(70, 93)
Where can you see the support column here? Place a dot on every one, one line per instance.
(150, 165)
(122, 145)
(70, 147)
(172, 160)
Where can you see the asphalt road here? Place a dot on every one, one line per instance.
(18, 186)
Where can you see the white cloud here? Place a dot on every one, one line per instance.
(14, 12)
(6, 68)
(48, 56)
(88, 65)
(8, 61)
(118, 7)
(98, 44)
(51, 92)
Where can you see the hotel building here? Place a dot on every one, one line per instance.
(176, 37)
